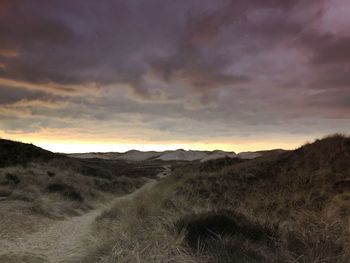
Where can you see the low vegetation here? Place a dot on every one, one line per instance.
(57, 186)
(282, 207)
(286, 206)
(16, 153)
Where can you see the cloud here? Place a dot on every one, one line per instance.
(333, 51)
(10, 95)
(174, 69)
(87, 42)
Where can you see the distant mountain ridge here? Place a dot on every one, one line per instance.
(174, 155)
(16, 152)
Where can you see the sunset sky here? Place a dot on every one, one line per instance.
(114, 75)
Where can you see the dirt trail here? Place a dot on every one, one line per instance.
(63, 241)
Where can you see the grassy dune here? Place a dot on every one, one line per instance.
(57, 186)
(282, 207)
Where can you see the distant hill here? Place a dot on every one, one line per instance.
(135, 155)
(183, 155)
(103, 165)
(104, 156)
(132, 155)
(215, 155)
(176, 155)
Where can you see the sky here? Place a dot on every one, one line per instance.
(114, 75)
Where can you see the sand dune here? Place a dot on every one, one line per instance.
(177, 155)
(249, 155)
(219, 155)
(134, 155)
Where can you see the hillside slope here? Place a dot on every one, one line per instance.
(282, 207)
(13, 153)
(303, 193)
(56, 185)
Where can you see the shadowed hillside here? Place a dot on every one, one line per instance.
(16, 153)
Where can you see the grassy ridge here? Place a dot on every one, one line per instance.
(303, 194)
(16, 153)
(284, 207)
(56, 185)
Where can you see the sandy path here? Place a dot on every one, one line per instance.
(58, 242)
(64, 240)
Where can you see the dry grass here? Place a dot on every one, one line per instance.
(284, 207)
(137, 230)
(26, 258)
(303, 193)
(66, 193)
(59, 186)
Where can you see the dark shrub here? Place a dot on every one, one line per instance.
(207, 226)
(13, 178)
(66, 191)
(50, 174)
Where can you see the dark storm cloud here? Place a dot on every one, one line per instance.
(329, 61)
(327, 48)
(11, 95)
(202, 54)
(336, 77)
(334, 51)
(23, 24)
(30, 34)
(237, 64)
(85, 41)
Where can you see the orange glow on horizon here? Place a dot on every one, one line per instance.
(68, 143)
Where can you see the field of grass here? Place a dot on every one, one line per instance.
(283, 207)
(286, 206)
(57, 186)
